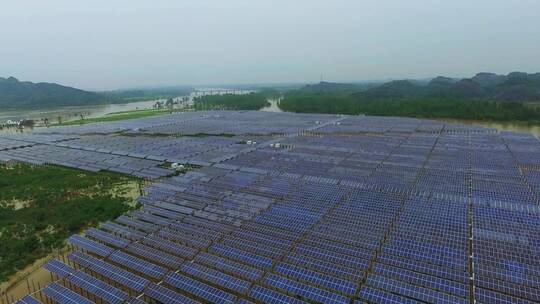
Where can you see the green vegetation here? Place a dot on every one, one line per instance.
(424, 107)
(41, 206)
(118, 116)
(252, 101)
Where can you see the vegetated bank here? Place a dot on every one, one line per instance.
(251, 101)
(40, 206)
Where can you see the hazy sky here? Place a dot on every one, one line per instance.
(107, 44)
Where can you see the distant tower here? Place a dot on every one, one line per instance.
(322, 78)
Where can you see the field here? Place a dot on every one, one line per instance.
(41, 206)
(117, 116)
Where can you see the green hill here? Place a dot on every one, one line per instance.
(23, 94)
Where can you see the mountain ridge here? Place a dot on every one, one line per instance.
(514, 87)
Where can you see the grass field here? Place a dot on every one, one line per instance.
(118, 116)
(41, 206)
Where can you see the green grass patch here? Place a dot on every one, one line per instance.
(118, 116)
(41, 206)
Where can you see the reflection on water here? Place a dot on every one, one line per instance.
(501, 126)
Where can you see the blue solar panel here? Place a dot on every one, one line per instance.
(155, 255)
(412, 291)
(98, 288)
(113, 273)
(60, 269)
(317, 279)
(183, 238)
(218, 278)
(305, 291)
(199, 289)
(63, 295)
(169, 247)
(166, 296)
(107, 238)
(225, 265)
(138, 265)
(266, 295)
(242, 256)
(28, 300)
(378, 296)
(123, 231)
(307, 218)
(90, 246)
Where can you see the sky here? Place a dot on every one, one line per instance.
(113, 44)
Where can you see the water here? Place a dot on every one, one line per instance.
(71, 113)
(274, 105)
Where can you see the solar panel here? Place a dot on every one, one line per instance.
(28, 300)
(166, 296)
(199, 289)
(138, 265)
(324, 208)
(305, 291)
(316, 278)
(63, 295)
(225, 265)
(216, 277)
(109, 271)
(241, 256)
(107, 238)
(60, 269)
(155, 255)
(96, 287)
(266, 295)
(90, 246)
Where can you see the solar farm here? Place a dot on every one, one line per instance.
(300, 208)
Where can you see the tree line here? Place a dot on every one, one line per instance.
(422, 107)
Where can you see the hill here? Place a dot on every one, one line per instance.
(514, 87)
(23, 94)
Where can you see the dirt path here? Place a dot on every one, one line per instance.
(31, 278)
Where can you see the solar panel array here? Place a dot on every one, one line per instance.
(327, 210)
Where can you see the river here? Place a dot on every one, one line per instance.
(71, 113)
(274, 105)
